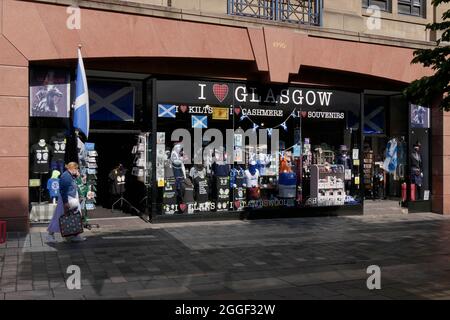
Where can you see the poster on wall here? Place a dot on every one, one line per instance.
(420, 116)
(49, 93)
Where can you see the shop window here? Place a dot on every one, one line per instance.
(227, 147)
(412, 7)
(117, 118)
(384, 5)
(419, 157)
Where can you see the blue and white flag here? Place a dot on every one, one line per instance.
(390, 162)
(167, 110)
(110, 101)
(81, 107)
(200, 122)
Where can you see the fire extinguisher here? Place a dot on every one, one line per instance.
(404, 190)
(413, 192)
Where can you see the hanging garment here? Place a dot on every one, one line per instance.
(221, 170)
(390, 161)
(201, 189)
(40, 158)
(117, 180)
(416, 168)
(58, 144)
(187, 192)
(53, 187)
(252, 180)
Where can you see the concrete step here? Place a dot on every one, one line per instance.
(383, 207)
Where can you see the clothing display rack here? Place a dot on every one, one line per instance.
(141, 167)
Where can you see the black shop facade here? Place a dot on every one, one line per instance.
(206, 149)
(227, 149)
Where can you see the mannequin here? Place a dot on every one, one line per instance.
(416, 167)
(41, 153)
(176, 158)
(179, 171)
(53, 186)
(252, 181)
(344, 159)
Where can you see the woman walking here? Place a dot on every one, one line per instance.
(67, 200)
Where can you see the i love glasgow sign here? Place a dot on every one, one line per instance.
(250, 95)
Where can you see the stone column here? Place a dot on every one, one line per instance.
(440, 150)
(13, 135)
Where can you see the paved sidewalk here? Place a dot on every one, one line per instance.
(302, 258)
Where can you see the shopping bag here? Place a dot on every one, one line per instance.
(71, 224)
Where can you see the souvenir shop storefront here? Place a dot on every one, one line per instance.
(180, 149)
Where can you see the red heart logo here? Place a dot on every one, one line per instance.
(237, 204)
(237, 111)
(304, 113)
(183, 207)
(183, 108)
(220, 91)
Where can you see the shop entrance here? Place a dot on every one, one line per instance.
(385, 129)
(114, 148)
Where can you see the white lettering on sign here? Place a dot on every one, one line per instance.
(298, 97)
(284, 98)
(326, 115)
(240, 94)
(324, 98)
(202, 91)
(254, 97)
(270, 96)
(308, 97)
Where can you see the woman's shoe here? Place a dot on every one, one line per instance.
(51, 239)
(78, 238)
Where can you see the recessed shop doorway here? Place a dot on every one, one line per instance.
(114, 148)
(385, 126)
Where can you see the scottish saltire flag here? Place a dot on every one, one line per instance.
(199, 122)
(167, 110)
(374, 119)
(81, 106)
(390, 162)
(111, 101)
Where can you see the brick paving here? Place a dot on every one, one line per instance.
(301, 258)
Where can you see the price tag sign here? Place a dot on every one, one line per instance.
(35, 182)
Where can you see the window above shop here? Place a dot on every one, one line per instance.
(412, 7)
(384, 5)
(307, 12)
